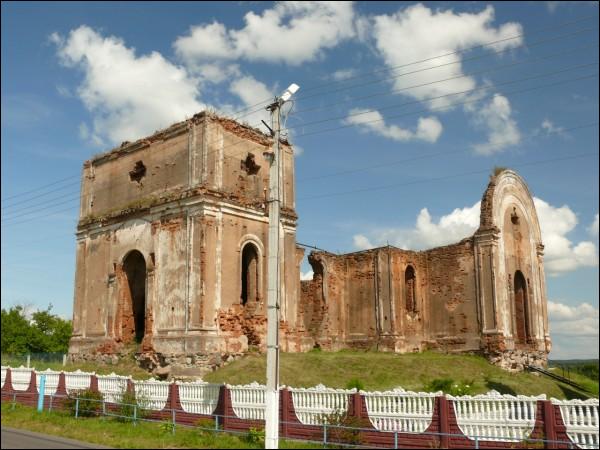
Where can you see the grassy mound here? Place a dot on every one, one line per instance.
(381, 371)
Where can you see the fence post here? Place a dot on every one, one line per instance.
(64, 359)
(476, 442)
(14, 403)
(173, 412)
(40, 405)
(134, 414)
(444, 416)
(549, 428)
(51, 399)
(28, 360)
(395, 439)
(77, 407)
(324, 434)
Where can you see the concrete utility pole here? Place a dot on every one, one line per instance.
(274, 280)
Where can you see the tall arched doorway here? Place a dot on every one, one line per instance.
(134, 267)
(521, 308)
(410, 286)
(250, 282)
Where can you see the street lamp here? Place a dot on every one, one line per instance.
(274, 284)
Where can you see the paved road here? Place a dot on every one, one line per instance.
(13, 438)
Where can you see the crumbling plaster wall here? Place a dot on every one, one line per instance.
(201, 197)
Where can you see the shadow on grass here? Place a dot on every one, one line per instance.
(571, 393)
(500, 387)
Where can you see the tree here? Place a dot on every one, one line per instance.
(45, 333)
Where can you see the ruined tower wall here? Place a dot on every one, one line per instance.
(189, 199)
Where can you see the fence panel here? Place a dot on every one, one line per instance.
(581, 419)
(496, 417)
(248, 401)
(313, 404)
(52, 379)
(112, 386)
(152, 394)
(78, 380)
(198, 397)
(21, 377)
(399, 410)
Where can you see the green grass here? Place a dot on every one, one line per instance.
(382, 371)
(116, 434)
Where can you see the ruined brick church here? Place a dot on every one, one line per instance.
(171, 260)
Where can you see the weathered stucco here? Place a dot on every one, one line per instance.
(172, 258)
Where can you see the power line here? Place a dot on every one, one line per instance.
(491, 43)
(433, 155)
(78, 197)
(426, 180)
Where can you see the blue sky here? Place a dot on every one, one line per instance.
(403, 111)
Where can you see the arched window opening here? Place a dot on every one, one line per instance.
(249, 274)
(410, 286)
(134, 267)
(521, 307)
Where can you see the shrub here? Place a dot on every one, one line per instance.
(256, 436)
(355, 383)
(344, 428)
(449, 386)
(132, 406)
(84, 403)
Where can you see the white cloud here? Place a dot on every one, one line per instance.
(426, 233)
(406, 36)
(580, 320)
(290, 32)
(502, 128)
(343, 74)
(361, 242)
(561, 254)
(428, 128)
(306, 275)
(593, 228)
(574, 330)
(130, 96)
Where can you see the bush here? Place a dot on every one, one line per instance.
(355, 383)
(84, 403)
(132, 406)
(344, 428)
(449, 386)
(256, 436)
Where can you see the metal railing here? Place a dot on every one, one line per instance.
(324, 434)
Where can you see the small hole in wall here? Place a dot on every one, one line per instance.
(138, 172)
(172, 309)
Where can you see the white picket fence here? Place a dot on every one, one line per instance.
(51, 383)
(248, 401)
(112, 387)
(78, 380)
(198, 397)
(399, 410)
(152, 394)
(496, 417)
(20, 378)
(313, 405)
(491, 416)
(581, 419)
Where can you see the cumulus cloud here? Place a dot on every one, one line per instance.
(129, 95)
(502, 128)
(593, 228)
(306, 275)
(428, 129)
(561, 254)
(573, 329)
(289, 32)
(409, 30)
(426, 233)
